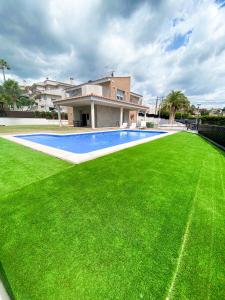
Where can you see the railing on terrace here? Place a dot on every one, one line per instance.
(213, 132)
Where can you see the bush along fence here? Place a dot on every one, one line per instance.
(33, 114)
(213, 132)
(50, 115)
(213, 120)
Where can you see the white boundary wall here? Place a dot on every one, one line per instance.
(3, 293)
(30, 121)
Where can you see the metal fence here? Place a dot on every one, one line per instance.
(213, 132)
(17, 114)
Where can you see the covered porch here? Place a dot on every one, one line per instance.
(95, 111)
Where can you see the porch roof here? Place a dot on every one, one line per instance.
(86, 100)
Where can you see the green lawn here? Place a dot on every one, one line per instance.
(147, 222)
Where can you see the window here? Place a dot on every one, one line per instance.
(119, 95)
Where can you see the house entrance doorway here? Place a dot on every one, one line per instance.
(84, 119)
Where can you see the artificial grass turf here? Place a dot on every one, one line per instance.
(20, 166)
(143, 223)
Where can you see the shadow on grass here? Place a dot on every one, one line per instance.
(213, 144)
(5, 282)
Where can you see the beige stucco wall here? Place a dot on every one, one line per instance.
(121, 83)
(105, 116)
(70, 115)
(109, 116)
(133, 116)
(106, 89)
(109, 88)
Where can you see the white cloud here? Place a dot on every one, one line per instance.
(80, 38)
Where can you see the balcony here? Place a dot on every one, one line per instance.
(85, 90)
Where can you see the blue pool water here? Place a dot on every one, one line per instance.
(88, 142)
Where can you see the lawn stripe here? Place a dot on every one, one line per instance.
(11, 193)
(184, 239)
(221, 168)
(212, 238)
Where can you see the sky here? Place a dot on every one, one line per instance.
(163, 45)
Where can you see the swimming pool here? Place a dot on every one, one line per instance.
(80, 147)
(89, 142)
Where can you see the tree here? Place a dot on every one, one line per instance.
(192, 109)
(11, 91)
(25, 101)
(204, 112)
(4, 65)
(176, 101)
(12, 95)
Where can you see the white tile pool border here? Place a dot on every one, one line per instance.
(77, 158)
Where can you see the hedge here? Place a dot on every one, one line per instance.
(213, 120)
(50, 115)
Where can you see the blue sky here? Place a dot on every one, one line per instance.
(178, 41)
(221, 3)
(162, 44)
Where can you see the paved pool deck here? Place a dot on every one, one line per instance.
(79, 158)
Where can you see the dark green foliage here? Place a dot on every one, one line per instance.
(149, 125)
(50, 115)
(213, 120)
(174, 102)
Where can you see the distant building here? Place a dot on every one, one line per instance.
(215, 112)
(44, 93)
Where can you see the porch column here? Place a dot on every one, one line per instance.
(137, 117)
(92, 115)
(145, 116)
(121, 116)
(59, 115)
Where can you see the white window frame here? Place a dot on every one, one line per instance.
(120, 95)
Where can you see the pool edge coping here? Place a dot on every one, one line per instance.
(77, 158)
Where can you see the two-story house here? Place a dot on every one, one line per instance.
(105, 102)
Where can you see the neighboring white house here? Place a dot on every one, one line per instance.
(46, 92)
(152, 109)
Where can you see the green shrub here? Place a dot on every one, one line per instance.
(213, 120)
(149, 125)
(164, 114)
(180, 115)
(37, 114)
(50, 115)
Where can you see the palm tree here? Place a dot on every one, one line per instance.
(11, 92)
(174, 102)
(4, 65)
